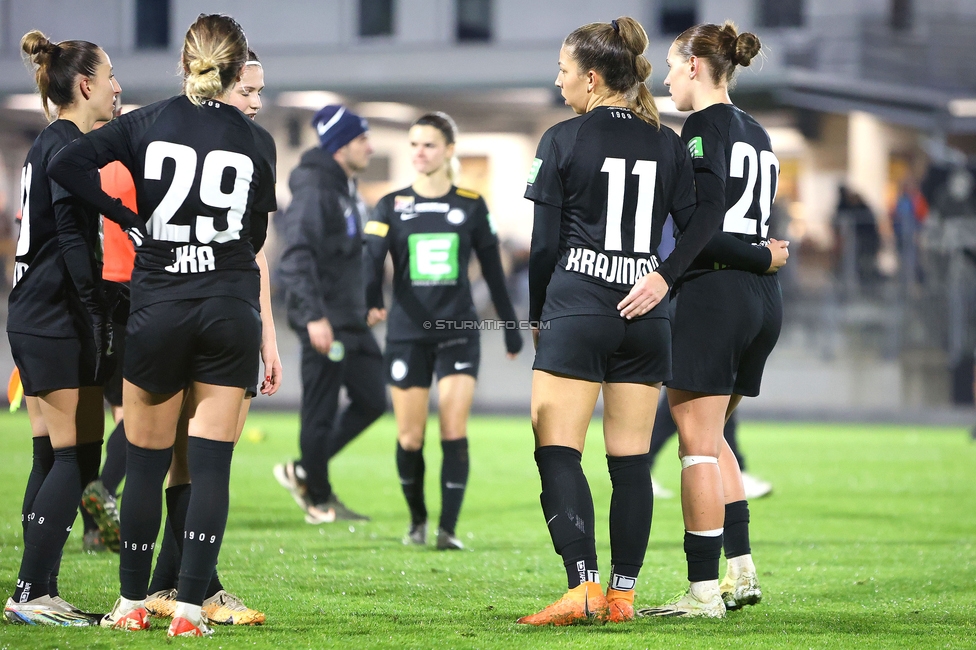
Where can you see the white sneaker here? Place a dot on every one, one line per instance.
(739, 591)
(660, 492)
(130, 616)
(45, 610)
(754, 487)
(690, 604)
(320, 514)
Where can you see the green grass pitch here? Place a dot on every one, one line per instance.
(869, 540)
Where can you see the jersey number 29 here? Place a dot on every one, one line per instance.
(211, 193)
(765, 165)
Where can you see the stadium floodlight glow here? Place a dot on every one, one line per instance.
(314, 99)
(24, 102)
(392, 111)
(962, 107)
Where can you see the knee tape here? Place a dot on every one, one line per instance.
(688, 461)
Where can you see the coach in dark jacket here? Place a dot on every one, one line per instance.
(322, 272)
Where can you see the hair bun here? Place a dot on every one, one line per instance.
(746, 47)
(37, 46)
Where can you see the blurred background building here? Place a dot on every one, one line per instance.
(870, 104)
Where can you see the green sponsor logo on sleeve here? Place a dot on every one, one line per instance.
(536, 165)
(695, 147)
(433, 258)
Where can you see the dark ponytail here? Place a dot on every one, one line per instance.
(723, 47)
(57, 66)
(616, 51)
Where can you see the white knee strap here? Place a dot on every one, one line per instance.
(688, 461)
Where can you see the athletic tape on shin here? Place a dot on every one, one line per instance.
(688, 461)
(715, 532)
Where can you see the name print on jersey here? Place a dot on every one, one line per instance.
(613, 268)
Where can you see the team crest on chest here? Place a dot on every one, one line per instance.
(403, 203)
(456, 216)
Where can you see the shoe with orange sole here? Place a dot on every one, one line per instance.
(184, 627)
(620, 605)
(582, 604)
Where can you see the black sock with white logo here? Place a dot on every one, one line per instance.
(454, 479)
(631, 506)
(48, 525)
(411, 468)
(140, 514)
(206, 517)
(43, 461)
(568, 508)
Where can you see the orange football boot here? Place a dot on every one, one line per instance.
(585, 603)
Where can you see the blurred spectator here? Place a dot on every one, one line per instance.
(910, 213)
(857, 237)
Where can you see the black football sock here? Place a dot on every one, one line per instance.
(49, 523)
(664, 428)
(568, 507)
(113, 470)
(141, 513)
(52, 582)
(703, 553)
(89, 458)
(87, 521)
(177, 505)
(167, 568)
(43, 460)
(736, 529)
(206, 518)
(454, 479)
(410, 467)
(631, 508)
(214, 585)
(732, 437)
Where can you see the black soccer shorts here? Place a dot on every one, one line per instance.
(412, 364)
(725, 325)
(48, 363)
(606, 349)
(208, 340)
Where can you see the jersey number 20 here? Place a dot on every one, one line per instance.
(210, 191)
(765, 165)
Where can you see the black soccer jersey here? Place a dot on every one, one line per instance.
(615, 179)
(731, 144)
(204, 178)
(430, 241)
(44, 298)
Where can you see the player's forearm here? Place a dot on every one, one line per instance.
(74, 169)
(543, 255)
(705, 221)
(733, 252)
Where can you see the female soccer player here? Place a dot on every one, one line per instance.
(430, 229)
(57, 324)
(603, 184)
(715, 365)
(205, 175)
(219, 606)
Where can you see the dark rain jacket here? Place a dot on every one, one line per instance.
(321, 267)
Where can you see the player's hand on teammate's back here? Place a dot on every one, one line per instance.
(375, 315)
(320, 335)
(780, 252)
(644, 296)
